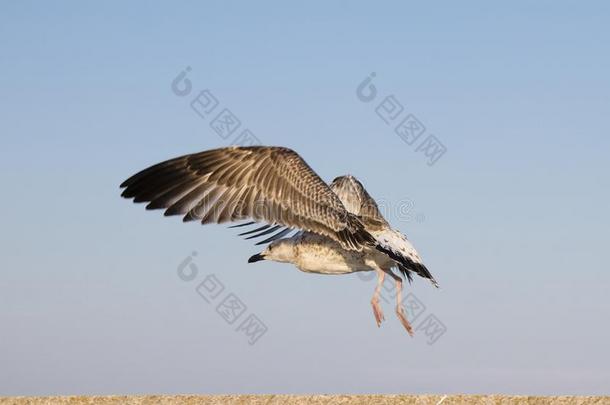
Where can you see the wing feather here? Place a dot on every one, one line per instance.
(267, 184)
(358, 201)
(255, 230)
(274, 237)
(265, 232)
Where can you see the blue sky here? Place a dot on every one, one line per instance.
(512, 220)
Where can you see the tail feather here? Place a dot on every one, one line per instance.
(405, 272)
(398, 248)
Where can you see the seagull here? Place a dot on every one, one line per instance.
(338, 227)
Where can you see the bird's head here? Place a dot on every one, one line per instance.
(281, 250)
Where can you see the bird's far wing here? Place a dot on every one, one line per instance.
(357, 200)
(269, 184)
(389, 241)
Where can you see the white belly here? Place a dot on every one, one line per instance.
(318, 254)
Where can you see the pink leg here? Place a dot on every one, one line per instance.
(400, 310)
(375, 300)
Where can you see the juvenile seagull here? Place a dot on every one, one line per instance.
(339, 229)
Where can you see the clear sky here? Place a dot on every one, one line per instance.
(513, 220)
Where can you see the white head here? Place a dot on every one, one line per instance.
(281, 250)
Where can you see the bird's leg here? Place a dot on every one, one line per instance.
(375, 300)
(400, 309)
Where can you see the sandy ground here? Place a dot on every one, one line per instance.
(303, 399)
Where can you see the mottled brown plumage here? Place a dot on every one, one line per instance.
(269, 184)
(357, 200)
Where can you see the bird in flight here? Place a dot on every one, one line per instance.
(338, 228)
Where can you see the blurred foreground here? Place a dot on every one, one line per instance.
(307, 399)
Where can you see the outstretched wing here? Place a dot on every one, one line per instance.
(268, 184)
(358, 201)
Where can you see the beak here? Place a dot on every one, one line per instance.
(257, 257)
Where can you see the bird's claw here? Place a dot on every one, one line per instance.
(377, 312)
(400, 312)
